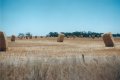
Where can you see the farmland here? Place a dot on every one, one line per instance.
(47, 59)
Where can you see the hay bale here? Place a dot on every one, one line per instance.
(30, 37)
(93, 36)
(13, 38)
(41, 36)
(26, 37)
(60, 38)
(108, 40)
(3, 42)
(67, 36)
(35, 36)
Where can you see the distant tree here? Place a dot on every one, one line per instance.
(21, 35)
(76, 33)
(80, 34)
(28, 35)
(53, 34)
(118, 34)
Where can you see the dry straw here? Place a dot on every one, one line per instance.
(60, 38)
(13, 38)
(3, 42)
(108, 40)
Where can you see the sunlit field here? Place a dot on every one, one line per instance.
(73, 59)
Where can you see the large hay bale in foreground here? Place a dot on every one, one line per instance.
(60, 38)
(13, 38)
(3, 42)
(108, 40)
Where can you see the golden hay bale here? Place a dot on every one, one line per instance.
(60, 38)
(13, 38)
(3, 42)
(108, 40)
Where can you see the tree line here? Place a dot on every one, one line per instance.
(70, 34)
(80, 34)
(27, 35)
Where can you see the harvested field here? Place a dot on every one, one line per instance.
(49, 47)
(45, 58)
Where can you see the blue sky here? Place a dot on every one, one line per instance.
(43, 16)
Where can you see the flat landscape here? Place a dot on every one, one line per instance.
(73, 59)
(59, 39)
(49, 47)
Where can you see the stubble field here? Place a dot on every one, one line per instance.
(73, 59)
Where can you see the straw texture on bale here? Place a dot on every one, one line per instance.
(108, 40)
(3, 42)
(13, 38)
(60, 38)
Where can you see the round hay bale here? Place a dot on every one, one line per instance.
(30, 37)
(3, 42)
(13, 38)
(35, 36)
(60, 38)
(108, 40)
(67, 36)
(26, 37)
(93, 36)
(41, 36)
